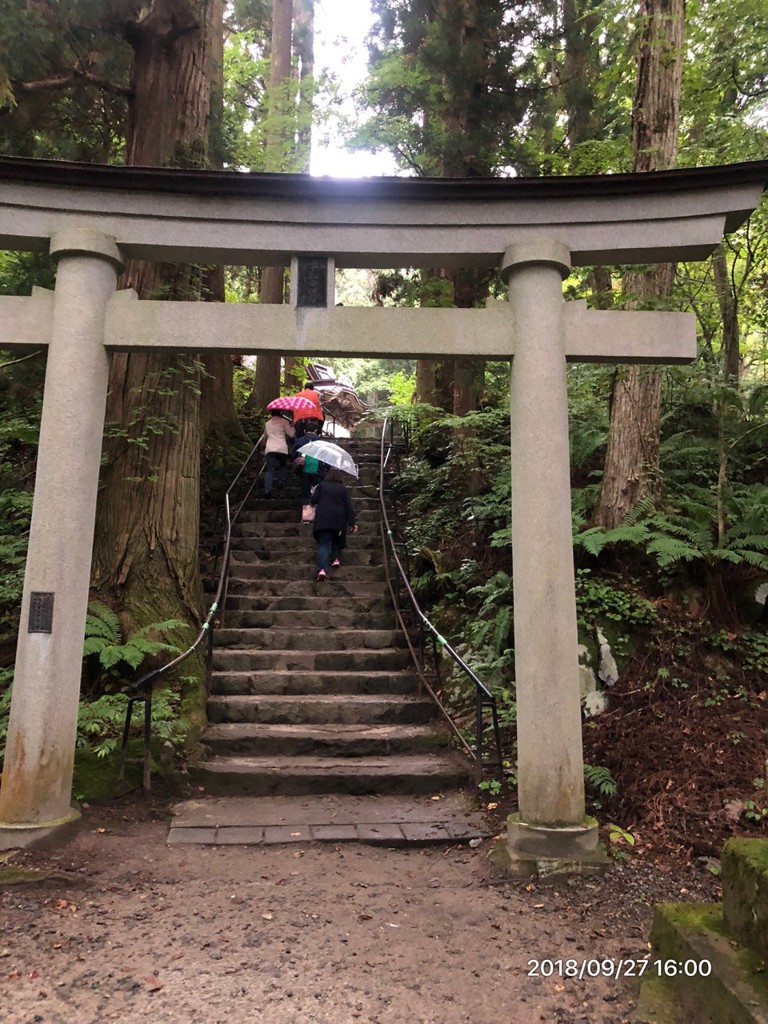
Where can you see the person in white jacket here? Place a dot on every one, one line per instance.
(279, 432)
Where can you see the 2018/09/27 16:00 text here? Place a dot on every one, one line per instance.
(608, 968)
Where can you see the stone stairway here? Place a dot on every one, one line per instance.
(312, 689)
(708, 960)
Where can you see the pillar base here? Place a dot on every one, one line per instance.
(549, 851)
(46, 835)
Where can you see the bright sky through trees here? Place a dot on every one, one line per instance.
(340, 31)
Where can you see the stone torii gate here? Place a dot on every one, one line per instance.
(91, 219)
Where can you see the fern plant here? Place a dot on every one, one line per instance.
(104, 639)
(686, 532)
(100, 722)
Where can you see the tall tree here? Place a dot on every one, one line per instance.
(446, 99)
(632, 459)
(266, 383)
(145, 552)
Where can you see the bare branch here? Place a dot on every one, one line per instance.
(21, 359)
(67, 78)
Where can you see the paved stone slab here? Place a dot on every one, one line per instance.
(423, 832)
(287, 834)
(334, 833)
(395, 820)
(383, 832)
(206, 836)
(234, 836)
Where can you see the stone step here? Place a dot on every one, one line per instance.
(320, 616)
(744, 876)
(302, 709)
(263, 776)
(356, 566)
(306, 637)
(277, 681)
(711, 977)
(293, 571)
(299, 540)
(241, 660)
(413, 820)
(329, 740)
(367, 552)
(347, 592)
(284, 509)
(260, 529)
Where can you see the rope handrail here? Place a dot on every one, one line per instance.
(484, 697)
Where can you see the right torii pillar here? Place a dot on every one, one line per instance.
(551, 831)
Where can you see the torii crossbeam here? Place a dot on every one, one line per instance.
(533, 230)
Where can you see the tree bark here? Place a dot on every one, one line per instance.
(266, 383)
(146, 547)
(727, 301)
(218, 419)
(632, 458)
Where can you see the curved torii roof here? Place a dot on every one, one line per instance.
(255, 218)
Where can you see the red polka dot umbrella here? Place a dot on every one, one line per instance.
(291, 402)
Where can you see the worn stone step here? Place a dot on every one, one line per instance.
(305, 556)
(745, 891)
(275, 681)
(326, 739)
(331, 818)
(305, 570)
(348, 708)
(284, 508)
(366, 603)
(241, 660)
(244, 550)
(722, 982)
(292, 528)
(264, 776)
(320, 617)
(307, 637)
(359, 592)
(300, 538)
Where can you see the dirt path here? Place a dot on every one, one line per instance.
(127, 928)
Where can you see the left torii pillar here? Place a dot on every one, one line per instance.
(35, 798)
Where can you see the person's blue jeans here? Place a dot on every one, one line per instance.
(328, 548)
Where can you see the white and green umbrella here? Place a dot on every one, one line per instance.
(331, 455)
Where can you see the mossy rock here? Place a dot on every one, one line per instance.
(745, 891)
(96, 778)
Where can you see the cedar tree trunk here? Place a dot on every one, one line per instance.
(632, 458)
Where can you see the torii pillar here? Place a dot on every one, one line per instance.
(35, 799)
(550, 826)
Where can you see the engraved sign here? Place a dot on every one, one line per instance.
(40, 612)
(313, 281)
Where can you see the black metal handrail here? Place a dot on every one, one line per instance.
(141, 689)
(484, 698)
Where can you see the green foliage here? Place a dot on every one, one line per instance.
(490, 786)
(100, 722)
(620, 841)
(104, 640)
(491, 623)
(597, 599)
(436, 100)
(5, 706)
(682, 538)
(598, 781)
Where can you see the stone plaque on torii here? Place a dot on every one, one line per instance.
(92, 219)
